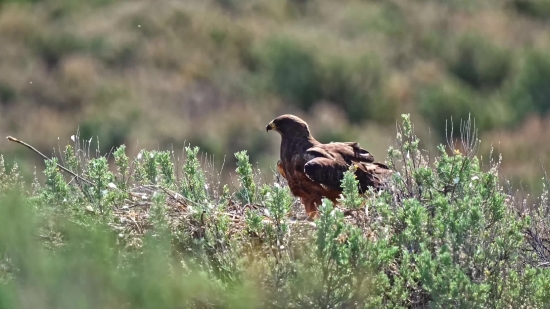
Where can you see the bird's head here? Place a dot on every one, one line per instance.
(289, 125)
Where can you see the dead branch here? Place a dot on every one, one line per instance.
(15, 140)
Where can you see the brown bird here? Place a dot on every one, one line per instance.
(314, 170)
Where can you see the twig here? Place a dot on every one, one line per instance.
(174, 196)
(13, 139)
(137, 225)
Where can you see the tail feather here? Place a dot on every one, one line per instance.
(373, 175)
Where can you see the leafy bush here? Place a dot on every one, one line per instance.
(354, 85)
(479, 63)
(293, 70)
(459, 240)
(536, 8)
(17, 1)
(246, 178)
(530, 93)
(438, 104)
(108, 133)
(7, 93)
(301, 76)
(53, 47)
(443, 234)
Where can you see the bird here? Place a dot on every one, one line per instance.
(314, 170)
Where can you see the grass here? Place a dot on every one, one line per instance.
(162, 232)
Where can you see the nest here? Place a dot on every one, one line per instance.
(134, 218)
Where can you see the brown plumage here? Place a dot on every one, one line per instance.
(314, 170)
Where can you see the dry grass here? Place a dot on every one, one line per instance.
(529, 145)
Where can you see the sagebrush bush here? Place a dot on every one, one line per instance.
(7, 93)
(194, 184)
(478, 62)
(305, 76)
(353, 84)
(459, 239)
(529, 93)
(535, 8)
(444, 105)
(443, 234)
(293, 70)
(438, 104)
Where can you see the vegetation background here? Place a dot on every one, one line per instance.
(161, 74)
(116, 90)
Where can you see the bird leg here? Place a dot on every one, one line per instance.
(280, 169)
(311, 205)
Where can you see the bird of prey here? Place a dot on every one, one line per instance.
(315, 170)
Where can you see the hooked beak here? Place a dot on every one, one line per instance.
(270, 126)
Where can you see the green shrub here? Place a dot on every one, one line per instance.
(52, 47)
(121, 161)
(535, 8)
(120, 56)
(11, 180)
(529, 92)
(98, 173)
(164, 161)
(300, 76)
(443, 105)
(459, 240)
(293, 70)
(350, 185)
(244, 170)
(444, 233)
(478, 62)
(108, 134)
(354, 85)
(386, 18)
(17, 1)
(194, 186)
(7, 93)
(56, 190)
(439, 103)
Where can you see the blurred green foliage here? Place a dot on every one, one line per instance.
(303, 77)
(55, 47)
(530, 93)
(212, 72)
(7, 93)
(457, 102)
(293, 70)
(533, 8)
(479, 63)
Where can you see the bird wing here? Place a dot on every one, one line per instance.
(371, 175)
(325, 171)
(348, 151)
(327, 163)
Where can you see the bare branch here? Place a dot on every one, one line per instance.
(15, 140)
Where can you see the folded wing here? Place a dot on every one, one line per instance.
(350, 151)
(327, 163)
(325, 171)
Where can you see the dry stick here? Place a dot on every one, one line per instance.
(13, 139)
